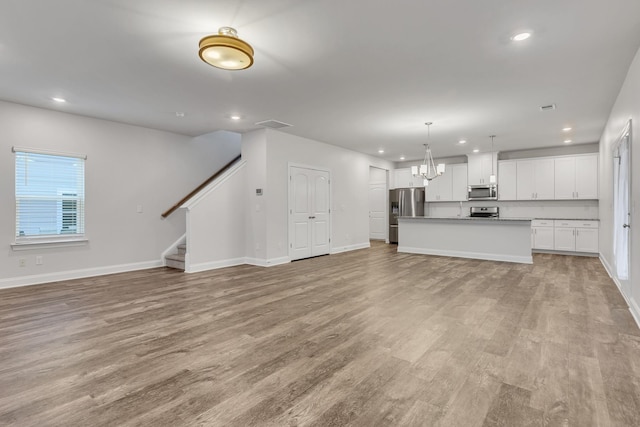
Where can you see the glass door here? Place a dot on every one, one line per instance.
(622, 210)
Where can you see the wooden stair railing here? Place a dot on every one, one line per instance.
(186, 198)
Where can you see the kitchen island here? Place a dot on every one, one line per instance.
(495, 239)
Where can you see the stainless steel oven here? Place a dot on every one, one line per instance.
(483, 192)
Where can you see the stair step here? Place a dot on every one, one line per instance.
(175, 261)
(182, 249)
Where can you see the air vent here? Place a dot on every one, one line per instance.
(548, 107)
(273, 124)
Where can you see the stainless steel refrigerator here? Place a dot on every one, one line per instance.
(404, 202)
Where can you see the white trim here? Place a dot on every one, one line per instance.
(213, 185)
(49, 152)
(267, 262)
(48, 244)
(214, 265)
(633, 306)
(37, 279)
(465, 254)
(348, 248)
(173, 248)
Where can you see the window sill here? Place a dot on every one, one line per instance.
(47, 244)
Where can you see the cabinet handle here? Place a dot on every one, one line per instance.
(577, 195)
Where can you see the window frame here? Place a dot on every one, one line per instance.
(59, 238)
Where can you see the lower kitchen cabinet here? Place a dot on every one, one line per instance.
(542, 234)
(576, 236)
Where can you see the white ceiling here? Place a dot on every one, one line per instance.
(362, 74)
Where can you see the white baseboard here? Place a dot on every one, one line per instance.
(631, 303)
(38, 279)
(204, 266)
(472, 255)
(267, 262)
(350, 248)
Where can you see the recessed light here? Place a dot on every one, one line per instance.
(568, 141)
(567, 129)
(476, 151)
(60, 100)
(179, 114)
(235, 117)
(380, 151)
(521, 36)
(402, 158)
(462, 141)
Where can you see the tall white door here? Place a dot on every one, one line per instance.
(377, 203)
(309, 213)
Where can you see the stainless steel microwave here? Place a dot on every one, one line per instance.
(483, 192)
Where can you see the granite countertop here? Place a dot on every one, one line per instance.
(569, 219)
(465, 218)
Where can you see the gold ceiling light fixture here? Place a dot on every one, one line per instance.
(225, 50)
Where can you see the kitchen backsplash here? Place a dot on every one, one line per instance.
(578, 209)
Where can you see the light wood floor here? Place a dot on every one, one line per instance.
(366, 338)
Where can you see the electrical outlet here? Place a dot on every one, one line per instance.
(39, 260)
(22, 262)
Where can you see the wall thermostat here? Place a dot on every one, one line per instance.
(258, 191)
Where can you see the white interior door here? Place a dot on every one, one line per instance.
(309, 213)
(378, 223)
(622, 212)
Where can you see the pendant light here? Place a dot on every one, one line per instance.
(492, 177)
(225, 50)
(428, 169)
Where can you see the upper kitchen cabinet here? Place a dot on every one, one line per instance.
(535, 179)
(576, 177)
(402, 178)
(450, 186)
(481, 166)
(507, 176)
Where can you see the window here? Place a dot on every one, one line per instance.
(49, 196)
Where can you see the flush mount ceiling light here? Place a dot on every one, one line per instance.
(521, 36)
(462, 141)
(428, 170)
(567, 129)
(60, 100)
(225, 50)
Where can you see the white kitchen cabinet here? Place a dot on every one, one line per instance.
(576, 236)
(450, 186)
(542, 232)
(507, 177)
(576, 177)
(587, 176)
(439, 189)
(458, 182)
(535, 179)
(480, 167)
(402, 178)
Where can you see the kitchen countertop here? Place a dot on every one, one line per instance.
(466, 218)
(569, 219)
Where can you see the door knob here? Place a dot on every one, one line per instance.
(312, 217)
(626, 226)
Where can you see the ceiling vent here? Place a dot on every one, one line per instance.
(548, 107)
(273, 124)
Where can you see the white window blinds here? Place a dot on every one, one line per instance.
(49, 195)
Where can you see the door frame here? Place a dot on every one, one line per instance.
(289, 203)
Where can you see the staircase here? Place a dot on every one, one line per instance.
(177, 260)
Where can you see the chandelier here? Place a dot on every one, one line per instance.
(428, 170)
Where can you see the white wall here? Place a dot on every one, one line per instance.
(216, 224)
(627, 106)
(126, 166)
(267, 214)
